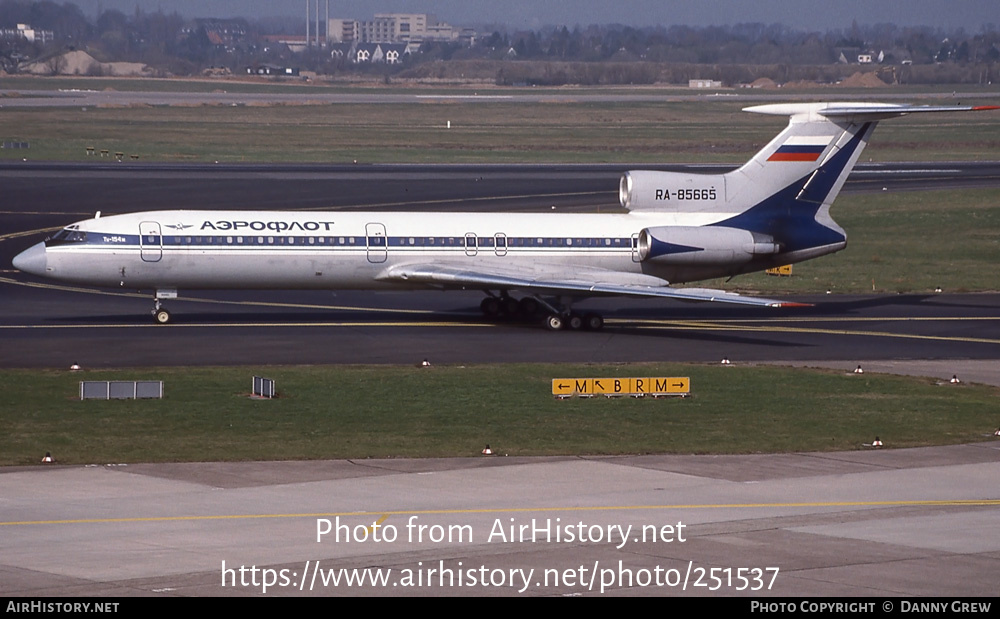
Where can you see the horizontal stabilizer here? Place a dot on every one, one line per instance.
(857, 112)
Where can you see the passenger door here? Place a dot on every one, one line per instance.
(150, 241)
(378, 242)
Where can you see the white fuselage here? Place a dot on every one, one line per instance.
(343, 250)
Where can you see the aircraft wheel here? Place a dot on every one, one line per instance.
(490, 307)
(593, 322)
(554, 322)
(529, 307)
(575, 322)
(161, 316)
(509, 306)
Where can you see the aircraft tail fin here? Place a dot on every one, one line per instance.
(791, 183)
(817, 150)
(814, 153)
(783, 194)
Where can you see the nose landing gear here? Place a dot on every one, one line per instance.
(160, 314)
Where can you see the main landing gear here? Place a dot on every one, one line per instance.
(574, 322)
(556, 315)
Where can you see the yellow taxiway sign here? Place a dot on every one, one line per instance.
(621, 386)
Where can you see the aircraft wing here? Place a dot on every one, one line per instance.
(558, 280)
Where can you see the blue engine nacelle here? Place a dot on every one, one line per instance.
(705, 245)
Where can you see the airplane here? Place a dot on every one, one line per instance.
(678, 227)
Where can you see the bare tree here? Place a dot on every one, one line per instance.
(56, 65)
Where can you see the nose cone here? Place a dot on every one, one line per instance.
(31, 260)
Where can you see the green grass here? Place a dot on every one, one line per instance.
(901, 242)
(567, 131)
(361, 412)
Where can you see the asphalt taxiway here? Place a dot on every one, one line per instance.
(54, 325)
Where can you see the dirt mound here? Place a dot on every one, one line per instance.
(764, 82)
(79, 62)
(863, 80)
(803, 85)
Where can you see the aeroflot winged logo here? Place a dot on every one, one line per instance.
(258, 226)
(801, 148)
(274, 226)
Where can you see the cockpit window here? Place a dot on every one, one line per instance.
(70, 236)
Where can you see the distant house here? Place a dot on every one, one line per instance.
(848, 55)
(857, 55)
(295, 44)
(341, 50)
(704, 84)
(269, 69)
(228, 34)
(387, 53)
(26, 32)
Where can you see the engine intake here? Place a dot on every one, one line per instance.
(670, 191)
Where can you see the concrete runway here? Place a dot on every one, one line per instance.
(882, 525)
(27, 97)
(868, 523)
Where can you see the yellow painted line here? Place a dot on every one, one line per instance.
(907, 336)
(512, 510)
(708, 326)
(14, 282)
(236, 325)
(349, 308)
(63, 213)
(135, 295)
(371, 530)
(15, 235)
(738, 325)
(457, 200)
(857, 319)
(751, 321)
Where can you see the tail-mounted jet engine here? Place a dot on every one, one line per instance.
(705, 245)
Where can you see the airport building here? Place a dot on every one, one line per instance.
(388, 37)
(411, 29)
(29, 34)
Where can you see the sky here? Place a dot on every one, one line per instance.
(817, 15)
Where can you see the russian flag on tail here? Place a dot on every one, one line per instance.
(801, 148)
